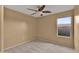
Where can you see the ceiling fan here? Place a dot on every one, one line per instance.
(39, 9)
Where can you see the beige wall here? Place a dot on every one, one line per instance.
(47, 30)
(76, 28)
(18, 28)
(0, 27)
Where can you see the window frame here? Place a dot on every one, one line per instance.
(70, 27)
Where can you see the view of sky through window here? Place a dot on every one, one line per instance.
(64, 20)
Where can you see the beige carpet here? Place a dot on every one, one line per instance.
(40, 47)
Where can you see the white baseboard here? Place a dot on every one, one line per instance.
(17, 45)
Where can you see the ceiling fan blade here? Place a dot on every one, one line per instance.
(33, 13)
(46, 11)
(31, 9)
(41, 8)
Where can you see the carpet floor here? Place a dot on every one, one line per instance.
(39, 47)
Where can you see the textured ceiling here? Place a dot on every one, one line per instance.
(54, 8)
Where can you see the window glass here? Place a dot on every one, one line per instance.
(64, 26)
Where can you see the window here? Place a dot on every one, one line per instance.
(64, 26)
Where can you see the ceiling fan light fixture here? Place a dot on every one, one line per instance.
(39, 10)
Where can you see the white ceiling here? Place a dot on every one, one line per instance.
(53, 8)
